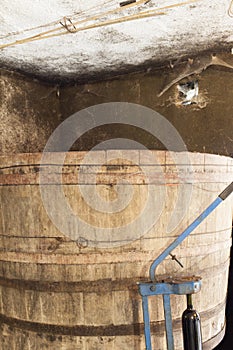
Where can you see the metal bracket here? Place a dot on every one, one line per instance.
(179, 286)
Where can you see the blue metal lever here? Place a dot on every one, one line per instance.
(171, 287)
(189, 229)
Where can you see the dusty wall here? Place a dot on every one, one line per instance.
(31, 110)
(207, 127)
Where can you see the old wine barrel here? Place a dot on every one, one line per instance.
(77, 289)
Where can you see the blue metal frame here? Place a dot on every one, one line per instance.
(168, 321)
(167, 288)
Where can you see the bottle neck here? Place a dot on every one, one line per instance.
(189, 301)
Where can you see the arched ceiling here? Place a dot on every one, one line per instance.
(108, 38)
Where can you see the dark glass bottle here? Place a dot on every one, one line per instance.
(191, 326)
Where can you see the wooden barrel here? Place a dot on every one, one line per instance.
(63, 292)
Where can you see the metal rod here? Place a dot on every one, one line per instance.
(146, 317)
(221, 197)
(225, 193)
(124, 3)
(175, 258)
(168, 321)
(182, 236)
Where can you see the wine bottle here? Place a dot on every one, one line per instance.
(191, 326)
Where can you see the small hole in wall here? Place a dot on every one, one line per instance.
(188, 92)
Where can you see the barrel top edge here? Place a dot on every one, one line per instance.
(138, 156)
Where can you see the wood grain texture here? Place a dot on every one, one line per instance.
(58, 293)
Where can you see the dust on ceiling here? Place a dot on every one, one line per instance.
(67, 39)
